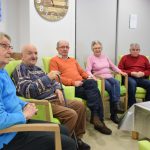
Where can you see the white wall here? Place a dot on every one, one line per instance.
(141, 34)
(24, 25)
(45, 34)
(10, 20)
(3, 21)
(96, 20)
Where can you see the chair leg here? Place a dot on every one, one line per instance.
(57, 140)
(125, 103)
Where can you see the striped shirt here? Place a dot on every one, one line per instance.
(32, 82)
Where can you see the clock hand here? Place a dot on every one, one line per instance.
(52, 2)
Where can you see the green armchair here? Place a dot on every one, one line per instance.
(105, 95)
(68, 90)
(123, 91)
(144, 145)
(44, 107)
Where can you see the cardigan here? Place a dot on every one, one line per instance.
(32, 82)
(101, 65)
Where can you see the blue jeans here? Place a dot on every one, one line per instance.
(132, 84)
(112, 86)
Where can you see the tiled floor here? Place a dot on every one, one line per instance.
(119, 140)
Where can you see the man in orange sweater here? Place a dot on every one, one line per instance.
(85, 86)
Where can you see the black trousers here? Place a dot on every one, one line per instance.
(90, 92)
(40, 140)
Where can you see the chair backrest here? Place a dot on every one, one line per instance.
(46, 62)
(10, 67)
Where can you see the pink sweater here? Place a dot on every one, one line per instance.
(101, 65)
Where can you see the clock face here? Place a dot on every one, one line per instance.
(51, 10)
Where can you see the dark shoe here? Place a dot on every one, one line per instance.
(100, 126)
(103, 129)
(82, 145)
(118, 109)
(115, 118)
(91, 120)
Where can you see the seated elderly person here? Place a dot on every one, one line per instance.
(100, 66)
(85, 87)
(15, 111)
(138, 69)
(32, 82)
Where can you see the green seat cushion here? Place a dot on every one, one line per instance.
(122, 91)
(144, 145)
(140, 90)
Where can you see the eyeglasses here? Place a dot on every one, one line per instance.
(135, 49)
(6, 46)
(63, 47)
(98, 48)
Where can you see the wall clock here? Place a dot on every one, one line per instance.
(51, 10)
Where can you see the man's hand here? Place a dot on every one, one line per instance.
(60, 95)
(134, 74)
(29, 110)
(141, 74)
(138, 74)
(78, 83)
(53, 74)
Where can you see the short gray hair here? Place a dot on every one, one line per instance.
(2, 35)
(95, 42)
(134, 45)
(60, 41)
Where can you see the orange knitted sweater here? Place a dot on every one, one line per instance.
(69, 68)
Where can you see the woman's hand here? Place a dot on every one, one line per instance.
(123, 73)
(29, 110)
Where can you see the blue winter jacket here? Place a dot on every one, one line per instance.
(10, 107)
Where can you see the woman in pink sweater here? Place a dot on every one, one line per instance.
(100, 66)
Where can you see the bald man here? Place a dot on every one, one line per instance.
(32, 82)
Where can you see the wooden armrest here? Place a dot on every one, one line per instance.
(32, 127)
(126, 82)
(102, 86)
(99, 77)
(37, 127)
(114, 73)
(47, 105)
(38, 102)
